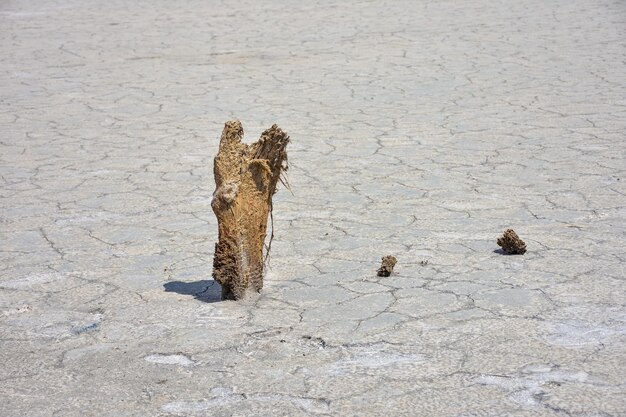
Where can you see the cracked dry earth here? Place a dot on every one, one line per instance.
(421, 129)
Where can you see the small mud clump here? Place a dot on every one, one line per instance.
(511, 243)
(386, 268)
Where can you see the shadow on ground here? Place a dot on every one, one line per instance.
(207, 291)
(501, 252)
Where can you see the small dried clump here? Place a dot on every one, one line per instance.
(386, 268)
(511, 243)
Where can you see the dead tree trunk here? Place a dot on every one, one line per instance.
(245, 181)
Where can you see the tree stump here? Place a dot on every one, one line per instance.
(245, 181)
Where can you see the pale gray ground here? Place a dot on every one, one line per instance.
(420, 129)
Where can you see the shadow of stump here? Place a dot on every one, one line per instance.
(207, 291)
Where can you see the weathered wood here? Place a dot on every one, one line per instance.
(245, 181)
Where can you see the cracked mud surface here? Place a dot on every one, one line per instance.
(476, 115)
